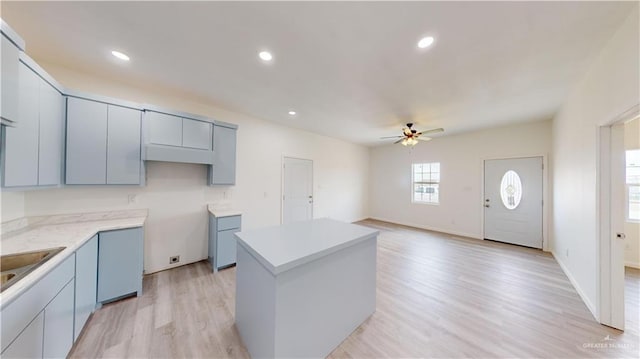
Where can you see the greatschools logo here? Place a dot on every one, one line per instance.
(607, 343)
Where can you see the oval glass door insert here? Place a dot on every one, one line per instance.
(511, 190)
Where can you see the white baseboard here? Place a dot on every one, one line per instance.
(435, 229)
(576, 286)
(635, 265)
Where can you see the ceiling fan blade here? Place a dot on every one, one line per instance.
(435, 130)
(382, 138)
(398, 141)
(425, 139)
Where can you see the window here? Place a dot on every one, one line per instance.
(511, 190)
(426, 183)
(633, 185)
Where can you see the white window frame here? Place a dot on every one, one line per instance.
(628, 195)
(429, 182)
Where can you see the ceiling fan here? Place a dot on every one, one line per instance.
(410, 136)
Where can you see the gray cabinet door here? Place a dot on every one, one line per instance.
(226, 248)
(29, 343)
(86, 283)
(86, 142)
(51, 135)
(20, 152)
(164, 129)
(224, 151)
(9, 80)
(123, 145)
(119, 263)
(58, 324)
(196, 134)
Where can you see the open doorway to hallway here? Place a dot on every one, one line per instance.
(632, 224)
(617, 202)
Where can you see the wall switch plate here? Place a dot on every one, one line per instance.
(174, 259)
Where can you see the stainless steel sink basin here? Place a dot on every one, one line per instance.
(14, 267)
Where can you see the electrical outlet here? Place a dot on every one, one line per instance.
(174, 259)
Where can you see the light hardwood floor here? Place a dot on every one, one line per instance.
(437, 296)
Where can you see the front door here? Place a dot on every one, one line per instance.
(513, 201)
(297, 198)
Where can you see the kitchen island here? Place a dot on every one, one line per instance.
(303, 287)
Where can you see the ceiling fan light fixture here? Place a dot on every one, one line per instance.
(409, 141)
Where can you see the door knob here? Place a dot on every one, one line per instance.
(621, 235)
(487, 205)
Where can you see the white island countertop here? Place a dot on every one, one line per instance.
(281, 248)
(70, 231)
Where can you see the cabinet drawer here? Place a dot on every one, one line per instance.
(225, 223)
(19, 313)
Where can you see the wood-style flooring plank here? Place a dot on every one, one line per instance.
(437, 296)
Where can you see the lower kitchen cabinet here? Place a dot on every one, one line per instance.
(120, 256)
(58, 324)
(86, 283)
(45, 309)
(29, 343)
(222, 241)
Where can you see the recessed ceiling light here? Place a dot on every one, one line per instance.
(265, 55)
(120, 55)
(425, 42)
(292, 113)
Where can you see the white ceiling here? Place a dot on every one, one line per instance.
(350, 70)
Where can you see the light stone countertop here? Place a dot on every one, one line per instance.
(284, 247)
(70, 231)
(216, 212)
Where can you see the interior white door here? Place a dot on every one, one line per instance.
(297, 198)
(513, 201)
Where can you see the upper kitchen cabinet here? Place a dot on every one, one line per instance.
(11, 46)
(32, 151)
(176, 137)
(123, 145)
(223, 171)
(86, 142)
(103, 142)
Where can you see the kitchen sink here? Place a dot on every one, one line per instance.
(14, 267)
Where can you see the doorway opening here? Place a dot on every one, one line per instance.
(632, 223)
(619, 205)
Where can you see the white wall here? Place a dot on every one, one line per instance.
(609, 88)
(461, 165)
(632, 229)
(176, 194)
